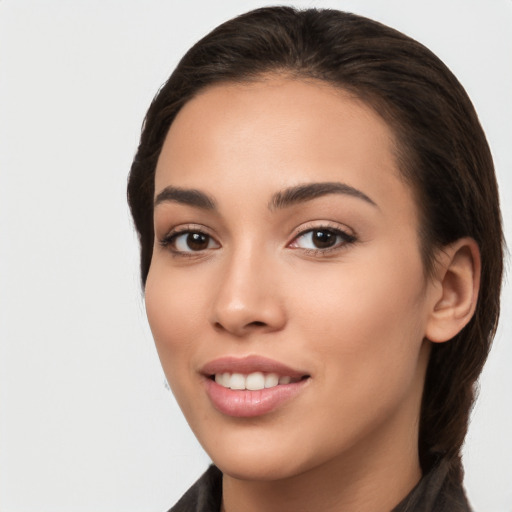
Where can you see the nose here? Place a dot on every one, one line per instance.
(248, 297)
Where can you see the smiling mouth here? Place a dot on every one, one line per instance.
(254, 381)
(251, 386)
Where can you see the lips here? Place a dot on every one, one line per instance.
(250, 364)
(251, 386)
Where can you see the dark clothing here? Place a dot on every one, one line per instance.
(204, 496)
(433, 493)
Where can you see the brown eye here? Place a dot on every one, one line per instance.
(191, 241)
(197, 241)
(322, 239)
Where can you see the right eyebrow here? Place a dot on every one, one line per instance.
(187, 196)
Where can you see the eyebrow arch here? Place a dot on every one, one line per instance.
(190, 197)
(309, 191)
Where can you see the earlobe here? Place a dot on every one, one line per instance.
(457, 283)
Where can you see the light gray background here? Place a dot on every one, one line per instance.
(86, 423)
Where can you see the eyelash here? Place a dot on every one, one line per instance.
(343, 237)
(169, 240)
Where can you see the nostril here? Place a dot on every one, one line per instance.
(240, 322)
(257, 324)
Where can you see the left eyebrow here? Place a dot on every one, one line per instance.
(310, 191)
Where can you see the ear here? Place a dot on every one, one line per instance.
(456, 285)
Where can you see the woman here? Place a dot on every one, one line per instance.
(321, 252)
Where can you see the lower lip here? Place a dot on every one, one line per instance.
(248, 404)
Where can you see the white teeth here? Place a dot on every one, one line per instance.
(254, 381)
(223, 379)
(237, 381)
(271, 380)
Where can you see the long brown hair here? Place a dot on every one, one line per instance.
(441, 152)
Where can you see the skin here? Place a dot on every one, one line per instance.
(354, 317)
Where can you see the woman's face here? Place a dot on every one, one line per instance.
(286, 255)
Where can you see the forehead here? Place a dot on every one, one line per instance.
(275, 133)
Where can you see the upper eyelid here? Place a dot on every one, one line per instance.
(186, 228)
(322, 224)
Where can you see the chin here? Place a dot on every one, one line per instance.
(254, 454)
(257, 467)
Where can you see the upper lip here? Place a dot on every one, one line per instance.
(250, 364)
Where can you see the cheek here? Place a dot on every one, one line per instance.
(176, 316)
(364, 328)
(367, 318)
